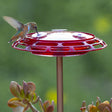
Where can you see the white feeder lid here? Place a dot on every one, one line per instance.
(63, 36)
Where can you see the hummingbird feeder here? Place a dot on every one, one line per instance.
(59, 43)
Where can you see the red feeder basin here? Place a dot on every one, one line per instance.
(59, 43)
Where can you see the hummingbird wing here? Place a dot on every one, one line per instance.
(13, 22)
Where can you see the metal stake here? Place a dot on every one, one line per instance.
(59, 62)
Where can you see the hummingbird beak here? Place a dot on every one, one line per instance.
(37, 31)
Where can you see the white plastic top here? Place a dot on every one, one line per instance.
(62, 36)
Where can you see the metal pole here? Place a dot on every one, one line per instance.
(59, 62)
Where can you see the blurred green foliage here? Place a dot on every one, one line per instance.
(85, 77)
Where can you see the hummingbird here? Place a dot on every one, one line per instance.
(22, 29)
